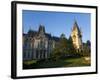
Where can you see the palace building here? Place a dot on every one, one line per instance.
(39, 44)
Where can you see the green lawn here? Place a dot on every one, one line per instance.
(68, 62)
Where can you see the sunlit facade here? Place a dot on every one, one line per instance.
(38, 44)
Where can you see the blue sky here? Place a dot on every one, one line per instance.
(57, 23)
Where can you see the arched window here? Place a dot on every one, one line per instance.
(74, 38)
(36, 54)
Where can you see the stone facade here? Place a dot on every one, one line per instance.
(38, 44)
(76, 36)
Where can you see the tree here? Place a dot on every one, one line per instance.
(88, 43)
(64, 48)
(87, 48)
(70, 47)
(62, 36)
(61, 48)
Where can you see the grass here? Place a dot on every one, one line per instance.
(77, 62)
(68, 62)
(30, 62)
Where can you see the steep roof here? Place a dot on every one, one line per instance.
(32, 33)
(76, 27)
(55, 38)
(41, 29)
(48, 35)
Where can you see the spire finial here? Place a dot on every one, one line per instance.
(75, 21)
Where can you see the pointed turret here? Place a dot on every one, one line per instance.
(30, 31)
(76, 28)
(41, 29)
(76, 36)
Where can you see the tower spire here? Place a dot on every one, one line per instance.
(76, 27)
(76, 36)
(41, 29)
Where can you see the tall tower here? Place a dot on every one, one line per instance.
(76, 36)
(41, 29)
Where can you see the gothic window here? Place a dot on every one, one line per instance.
(37, 45)
(32, 54)
(74, 38)
(36, 53)
(31, 45)
(40, 44)
(40, 53)
(29, 54)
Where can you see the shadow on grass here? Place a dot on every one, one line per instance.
(46, 64)
(67, 62)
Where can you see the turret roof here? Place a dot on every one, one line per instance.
(76, 27)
